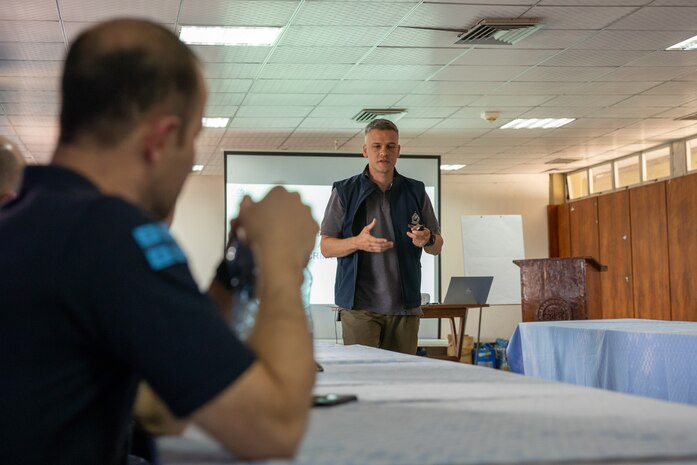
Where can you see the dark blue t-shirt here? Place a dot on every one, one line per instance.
(95, 296)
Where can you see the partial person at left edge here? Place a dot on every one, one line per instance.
(11, 168)
(98, 296)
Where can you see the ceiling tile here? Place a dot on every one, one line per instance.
(219, 111)
(535, 88)
(412, 55)
(35, 51)
(479, 73)
(274, 111)
(304, 71)
(265, 122)
(302, 55)
(509, 57)
(322, 13)
(595, 58)
(567, 101)
(665, 101)
(391, 72)
(333, 36)
(460, 17)
(237, 13)
(360, 101)
(238, 54)
(282, 99)
(228, 85)
(227, 98)
(660, 18)
(231, 70)
(331, 123)
(454, 87)
(293, 86)
(628, 73)
(436, 100)
(409, 37)
(579, 17)
(564, 73)
(30, 31)
(492, 101)
(22, 10)
(160, 11)
(369, 86)
(631, 40)
(29, 97)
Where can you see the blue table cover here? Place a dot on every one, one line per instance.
(645, 357)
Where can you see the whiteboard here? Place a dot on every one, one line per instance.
(490, 243)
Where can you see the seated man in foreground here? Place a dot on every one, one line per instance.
(101, 297)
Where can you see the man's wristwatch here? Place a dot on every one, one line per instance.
(431, 239)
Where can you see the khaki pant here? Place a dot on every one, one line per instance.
(398, 333)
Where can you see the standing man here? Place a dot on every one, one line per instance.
(11, 167)
(101, 296)
(377, 223)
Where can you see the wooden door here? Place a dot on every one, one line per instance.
(647, 207)
(681, 212)
(614, 240)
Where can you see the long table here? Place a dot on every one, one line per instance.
(416, 411)
(646, 357)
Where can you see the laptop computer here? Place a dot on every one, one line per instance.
(468, 290)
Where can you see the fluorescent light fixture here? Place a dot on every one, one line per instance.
(451, 167)
(537, 123)
(197, 168)
(215, 122)
(689, 44)
(229, 35)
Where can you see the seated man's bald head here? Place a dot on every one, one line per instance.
(115, 75)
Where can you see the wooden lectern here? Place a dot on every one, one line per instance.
(560, 288)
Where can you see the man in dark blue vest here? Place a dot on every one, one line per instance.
(377, 224)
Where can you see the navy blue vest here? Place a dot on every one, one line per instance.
(406, 197)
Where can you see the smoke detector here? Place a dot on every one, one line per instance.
(499, 31)
(369, 114)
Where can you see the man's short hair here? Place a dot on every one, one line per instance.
(11, 167)
(118, 72)
(382, 125)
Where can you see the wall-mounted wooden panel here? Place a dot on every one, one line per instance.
(681, 202)
(564, 234)
(651, 272)
(583, 228)
(558, 230)
(583, 235)
(614, 241)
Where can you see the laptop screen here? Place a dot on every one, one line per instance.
(468, 290)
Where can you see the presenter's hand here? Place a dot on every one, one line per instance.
(367, 242)
(279, 228)
(419, 237)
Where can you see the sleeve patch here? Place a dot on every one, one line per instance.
(158, 245)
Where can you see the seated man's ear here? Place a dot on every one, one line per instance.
(161, 133)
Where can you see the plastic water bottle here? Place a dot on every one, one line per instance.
(305, 291)
(242, 273)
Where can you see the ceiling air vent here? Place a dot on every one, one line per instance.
(561, 161)
(369, 114)
(499, 31)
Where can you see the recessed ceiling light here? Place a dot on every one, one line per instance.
(537, 123)
(689, 44)
(451, 167)
(215, 122)
(197, 168)
(229, 35)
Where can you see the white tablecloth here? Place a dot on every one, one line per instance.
(646, 357)
(417, 411)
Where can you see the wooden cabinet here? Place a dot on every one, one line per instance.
(614, 243)
(650, 258)
(681, 213)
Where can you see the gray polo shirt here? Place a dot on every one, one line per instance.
(378, 286)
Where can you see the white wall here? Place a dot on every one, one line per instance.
(525, 195)
(199, 225)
